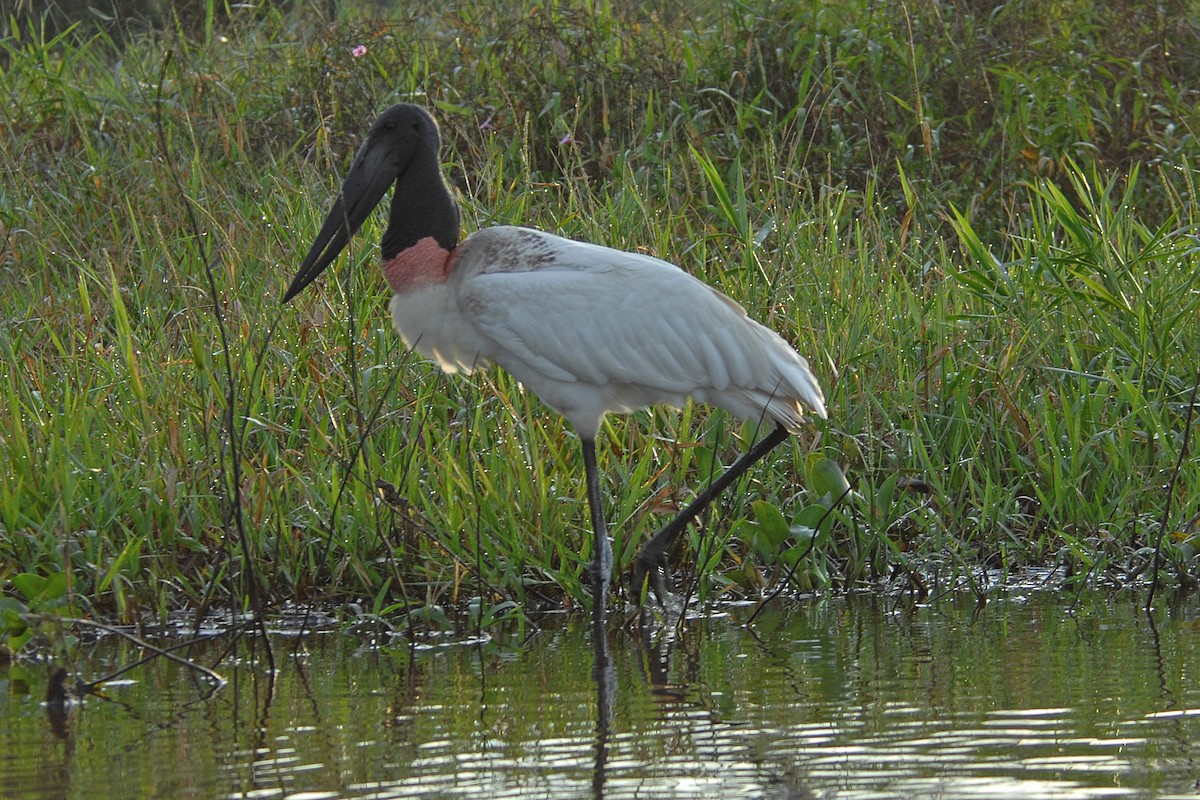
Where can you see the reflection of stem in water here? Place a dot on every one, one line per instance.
(1164, 688)
(215, 680)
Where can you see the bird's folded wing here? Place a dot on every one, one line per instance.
(631, 323)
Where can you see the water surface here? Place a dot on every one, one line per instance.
(1035, 695)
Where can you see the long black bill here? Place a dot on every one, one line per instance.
(362, 190)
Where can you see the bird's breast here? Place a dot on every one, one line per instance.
(429, 319)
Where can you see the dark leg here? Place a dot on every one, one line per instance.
(651, 562)
(602, 556)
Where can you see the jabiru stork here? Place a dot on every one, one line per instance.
(589, 329)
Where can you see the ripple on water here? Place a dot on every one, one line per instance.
(827, 700)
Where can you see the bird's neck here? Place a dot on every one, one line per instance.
(424, 263)
(422, 208)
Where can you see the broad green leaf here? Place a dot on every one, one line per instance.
(29, 585)
(771, 521)
(825, 477)
(816, 517)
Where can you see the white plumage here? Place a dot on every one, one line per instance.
(589, 329)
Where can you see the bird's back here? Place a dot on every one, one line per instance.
(590, 330)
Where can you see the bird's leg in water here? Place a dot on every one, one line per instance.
(602, 556)
(651, 561)
(602, 667)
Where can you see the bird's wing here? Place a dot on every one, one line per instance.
(596, 315)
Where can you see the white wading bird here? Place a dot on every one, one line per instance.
(588, 329)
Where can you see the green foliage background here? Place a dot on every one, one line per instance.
(977, 220)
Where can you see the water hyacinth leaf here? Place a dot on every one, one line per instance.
(816, 518)
(765, 540)
(28, 585)
(788, 558)
(803, 535)
(18, 640)
(12, 623)
(501, 612)
(41, 589)
(11, 610)
(771, 522)
(884, 495)
(749, 531)
(825, 478)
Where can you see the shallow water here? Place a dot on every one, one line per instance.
(843, 698)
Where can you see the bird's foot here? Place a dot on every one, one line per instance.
(649, 578)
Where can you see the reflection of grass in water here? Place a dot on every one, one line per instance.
(852, 692)
(1007, 381)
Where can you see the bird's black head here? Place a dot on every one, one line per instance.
(403, 140)
(396, 137)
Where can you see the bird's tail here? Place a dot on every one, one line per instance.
(796, 391)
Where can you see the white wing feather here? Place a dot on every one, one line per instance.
(580, 326)
(639, 330)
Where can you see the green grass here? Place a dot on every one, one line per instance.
(981, 230)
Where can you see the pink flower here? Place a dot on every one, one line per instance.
(568, 139)
(359, 51)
